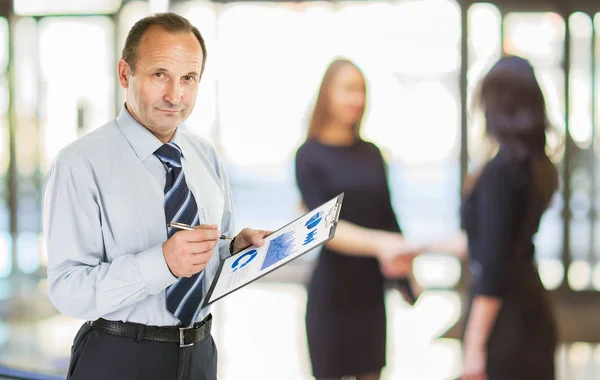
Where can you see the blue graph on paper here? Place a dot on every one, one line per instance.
(243, 260)
(314, 220)
(311, 224)
(279, 249)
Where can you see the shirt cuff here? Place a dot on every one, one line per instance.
(224, 250)
(154, 269)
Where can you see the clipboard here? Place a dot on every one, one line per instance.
(282, 246)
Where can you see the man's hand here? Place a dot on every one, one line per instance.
(188, 252)
(248, 237)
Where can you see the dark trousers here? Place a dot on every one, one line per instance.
(99, 356)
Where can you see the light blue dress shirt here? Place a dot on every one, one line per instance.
(104, 221)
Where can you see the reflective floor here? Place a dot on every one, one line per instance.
(260, 334)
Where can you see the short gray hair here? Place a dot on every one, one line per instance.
(171, 22)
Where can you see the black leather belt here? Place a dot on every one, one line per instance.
(184, 336)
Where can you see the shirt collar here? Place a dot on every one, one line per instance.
(143, 142)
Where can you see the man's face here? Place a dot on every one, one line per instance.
(161, 93)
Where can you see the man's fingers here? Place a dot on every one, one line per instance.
(201, 234)
(200, 258)
(201, 247)
(206, 227)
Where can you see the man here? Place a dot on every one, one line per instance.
(109, 198)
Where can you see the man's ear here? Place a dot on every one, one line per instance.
(124, 72)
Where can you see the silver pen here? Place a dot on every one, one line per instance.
(187, 227)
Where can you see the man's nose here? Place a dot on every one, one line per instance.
(173, 93)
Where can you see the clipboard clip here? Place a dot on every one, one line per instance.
(332, 216)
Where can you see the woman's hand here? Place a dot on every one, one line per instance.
(399, 266)
(389, 245)
(399, 261)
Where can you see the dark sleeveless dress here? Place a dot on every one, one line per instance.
(345, 315)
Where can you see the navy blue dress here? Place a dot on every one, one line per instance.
(345, 314)
(500, 216)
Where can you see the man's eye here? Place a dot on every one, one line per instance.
(188, 78)
(158, 75)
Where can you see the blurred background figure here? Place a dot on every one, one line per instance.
(346, 289)
(510, 331)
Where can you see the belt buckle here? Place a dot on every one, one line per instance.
(182, 337)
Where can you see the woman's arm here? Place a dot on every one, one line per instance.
(482, 318)
(455, 245)
(353, 240)
(401, 264)
(350, 239)
(500, 203)
(483, 315)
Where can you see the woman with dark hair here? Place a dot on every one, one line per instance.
(345, 315)
(510, 331)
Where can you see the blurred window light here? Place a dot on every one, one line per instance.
(5, 330)
(4, 99)
(202, 121)
(28, 252)
(580, 25)
(3, 44)
(580, 125)
(56, 7)
(551, 273)
(422, 136)
(404, 74)
(43, 252)
(484, 23)
(158, 6)
(549, 243)
(437, 271)
(596, 276)
(427, 37)
(86, 80)
(537, 36)
(6, 291)
(580, 75)
(26, 54)
(597, 23)
(597, 354)
(580, 354)
(552, 82)
(540, 37)
(407, 75)
(433, 314)
(263, 87)
(4, 136)
(596, 50)
(579, 275)
(581, 237)
(484, 38)
(131, 12)
(6, 264)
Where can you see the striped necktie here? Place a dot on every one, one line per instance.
(183, 297)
